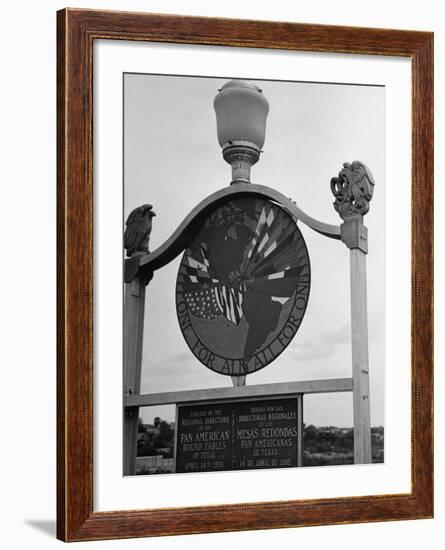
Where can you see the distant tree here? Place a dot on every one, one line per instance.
(166, 432)
(323, 446)
(310, 432)
(165, 436)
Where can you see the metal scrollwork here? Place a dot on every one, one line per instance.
(353, 189)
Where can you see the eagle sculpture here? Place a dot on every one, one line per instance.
(138, 229)
(353, 189)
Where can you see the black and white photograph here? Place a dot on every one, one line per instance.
(223, 325)
(254, 267)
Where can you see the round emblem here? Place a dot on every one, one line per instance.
(243, 286)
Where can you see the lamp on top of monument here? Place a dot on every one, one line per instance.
(243, 282)
(241, 112)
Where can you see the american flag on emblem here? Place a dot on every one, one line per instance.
(213, 298)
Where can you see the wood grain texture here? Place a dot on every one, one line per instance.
(360, 358)
(133, 336)
(281, 389)
(77, 29)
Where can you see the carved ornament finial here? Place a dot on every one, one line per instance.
(353, 189)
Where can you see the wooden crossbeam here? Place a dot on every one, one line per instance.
(280, 389)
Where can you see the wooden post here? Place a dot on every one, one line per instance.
(360, 360)
(354, 234)
(353, 189)
(239, 380)
(133, 336)
(175, 442)
(300, 427)
(136, 240)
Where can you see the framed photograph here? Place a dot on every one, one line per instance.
(245, 229)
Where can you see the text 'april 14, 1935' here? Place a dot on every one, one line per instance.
(237, 436)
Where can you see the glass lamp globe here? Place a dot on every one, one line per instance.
(241, 112)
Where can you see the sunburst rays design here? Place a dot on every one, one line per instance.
(275, 251)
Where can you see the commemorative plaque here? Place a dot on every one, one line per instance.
(237, 435)
(243, 286)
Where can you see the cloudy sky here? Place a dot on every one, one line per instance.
(172, 160)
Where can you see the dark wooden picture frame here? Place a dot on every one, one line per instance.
(77, 31)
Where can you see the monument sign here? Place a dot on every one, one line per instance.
(243, 286)
(238, 435)
(241, 294)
